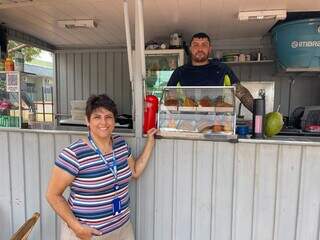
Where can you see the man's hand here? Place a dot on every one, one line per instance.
(244, 96)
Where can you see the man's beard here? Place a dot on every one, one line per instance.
(200, 57)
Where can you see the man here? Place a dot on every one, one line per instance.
(203, 72)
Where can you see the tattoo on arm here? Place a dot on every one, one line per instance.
(244, 96)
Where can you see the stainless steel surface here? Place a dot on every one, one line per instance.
(68, 130)
(254, 88)
(286, 140)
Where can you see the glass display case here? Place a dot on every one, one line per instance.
(26, 100)
(198, 112)
(160, 64)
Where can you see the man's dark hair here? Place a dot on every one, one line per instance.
(102, 100)
(200, 35)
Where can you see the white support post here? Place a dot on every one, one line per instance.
(139, 68)
(129, 53)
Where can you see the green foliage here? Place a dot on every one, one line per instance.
(2, 85)
(28, 52)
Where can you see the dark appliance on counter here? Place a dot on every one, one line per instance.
(310, 121)
(305, 121)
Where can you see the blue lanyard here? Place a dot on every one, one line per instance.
(113, 165)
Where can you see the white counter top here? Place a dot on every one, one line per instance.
(286, 140)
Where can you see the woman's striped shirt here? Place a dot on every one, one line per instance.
(92, 189)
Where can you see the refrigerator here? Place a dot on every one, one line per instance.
(160, 64)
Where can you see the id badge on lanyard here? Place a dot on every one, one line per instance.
(116, 202)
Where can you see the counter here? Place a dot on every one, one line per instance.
(253, 189)
(69, 130)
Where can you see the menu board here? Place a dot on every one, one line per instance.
(12, 82)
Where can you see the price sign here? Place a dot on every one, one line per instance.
(12, 82)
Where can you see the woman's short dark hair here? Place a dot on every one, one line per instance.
(200, 35)
(97, 101)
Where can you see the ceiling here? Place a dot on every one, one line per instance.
(161, 17)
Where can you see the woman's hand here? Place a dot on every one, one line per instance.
(86, 233)
(151, 132)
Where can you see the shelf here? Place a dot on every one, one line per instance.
(297, 70)
(251, 62)
(182, 109)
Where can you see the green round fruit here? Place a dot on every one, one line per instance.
(273, 123)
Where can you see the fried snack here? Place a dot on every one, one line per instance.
(227, 128)
(189, 102)
(172, 123)
(186, 125)
(223, 104)
(217, 128)
(220, 103)
(204, 126)
(171, 102)
(206, 102)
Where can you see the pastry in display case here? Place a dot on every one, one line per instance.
(198, 112)
(26, 100)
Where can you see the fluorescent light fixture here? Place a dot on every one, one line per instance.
(75, 24)
(262, 15)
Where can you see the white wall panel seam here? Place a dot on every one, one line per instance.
(155, 211)
(10, 180)
(213, 189)
(300, 196)
(24, 173)
(138, 207)
(274, 236)
(318, 226)
(174, 188)
(194, 197)
(55, 157)
(232, 189)
(234, 195)
(192, 189)
(39, 175)
(255, 201)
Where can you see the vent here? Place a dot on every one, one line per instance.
(77, 24)
(263, 15)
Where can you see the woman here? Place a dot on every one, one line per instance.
(98, 169)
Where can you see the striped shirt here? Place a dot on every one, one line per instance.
(92, 189)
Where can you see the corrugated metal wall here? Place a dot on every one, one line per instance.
(205, 190)
(190, 189)
(26, 162)
(81, 73)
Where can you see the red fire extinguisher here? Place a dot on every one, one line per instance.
(150, 112)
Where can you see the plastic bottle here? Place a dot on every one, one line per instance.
(9, 64)
(150, 113)
(19, 61)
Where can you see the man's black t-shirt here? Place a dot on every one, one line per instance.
(211, 74)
